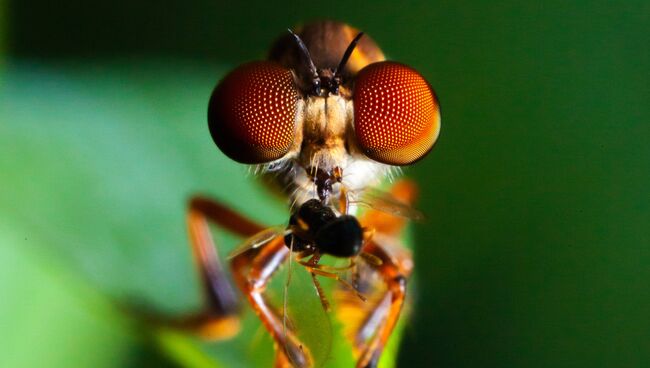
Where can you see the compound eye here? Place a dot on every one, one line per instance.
(396, 113)
(252, 113)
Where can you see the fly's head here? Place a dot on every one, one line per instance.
(324, 113)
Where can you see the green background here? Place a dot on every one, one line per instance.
(536, 251)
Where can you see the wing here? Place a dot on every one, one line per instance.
(387, 203)
(258, 240)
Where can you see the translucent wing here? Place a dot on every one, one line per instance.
(387, 203)
(258, 240)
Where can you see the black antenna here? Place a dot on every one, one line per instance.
(347, 53)
(305, 51)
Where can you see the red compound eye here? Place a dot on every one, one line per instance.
(252, 113)
(396, 113)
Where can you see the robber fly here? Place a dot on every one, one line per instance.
(326, 119)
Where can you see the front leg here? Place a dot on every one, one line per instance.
(395, 276)
(395, 267)
(253, 270)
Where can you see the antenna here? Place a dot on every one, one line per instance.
(305, 52)
(347, 53)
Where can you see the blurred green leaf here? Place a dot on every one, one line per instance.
(50, 319)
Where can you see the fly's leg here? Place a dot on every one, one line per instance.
(218, 318)
(253, 270)
(221, 305)
(281, 361)
(395, 276)
(394, 264)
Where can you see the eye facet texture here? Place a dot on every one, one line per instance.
(396, 113)
(252, 113)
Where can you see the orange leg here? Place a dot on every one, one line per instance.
(394, 264)
(218, 318)
(395, 278)
(253, 270)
